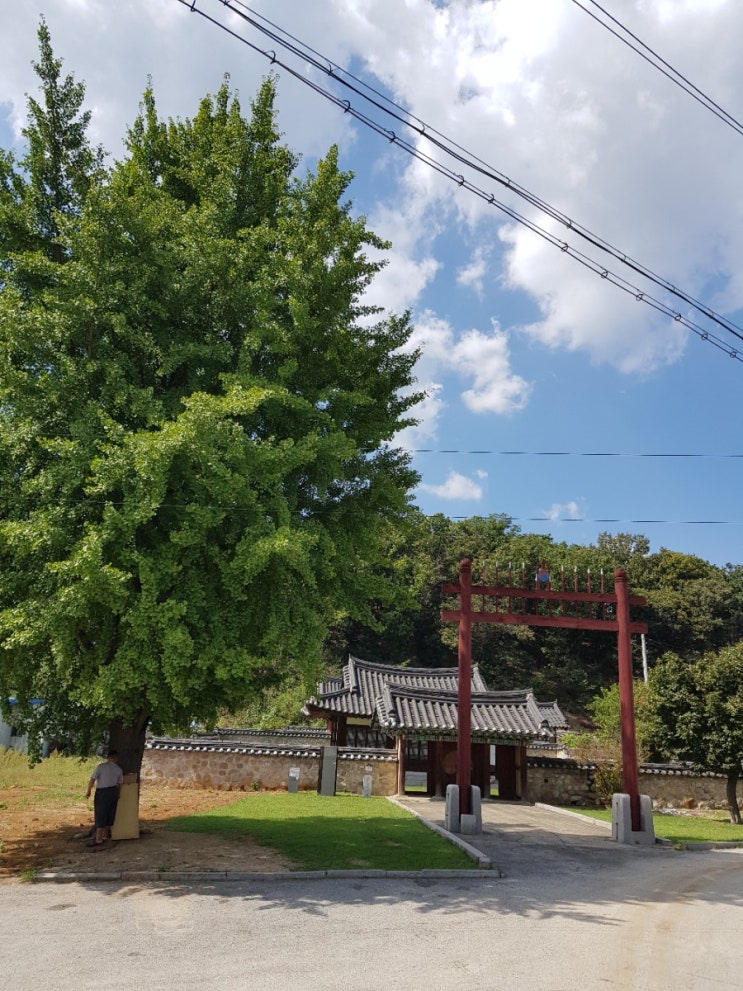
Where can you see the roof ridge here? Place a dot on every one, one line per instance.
(378, 666)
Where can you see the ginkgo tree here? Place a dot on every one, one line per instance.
(197, 415)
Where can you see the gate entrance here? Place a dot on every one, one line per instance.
(545, 605)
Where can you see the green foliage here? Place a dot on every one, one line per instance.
(603, 746)
(55, 176)
(196, 410)
(345, 832)
(682, 829)
(605, 712)
(691, 605)
(694, 606)
(274, 708)
(695, 713)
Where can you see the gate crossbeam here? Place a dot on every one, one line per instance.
(563, 622)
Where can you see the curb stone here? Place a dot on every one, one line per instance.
(200, 877)
(484, 869)
(483, 861)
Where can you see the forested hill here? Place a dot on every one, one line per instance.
(693, 606)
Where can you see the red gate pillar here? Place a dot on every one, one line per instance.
(626, 698)
(464, 697)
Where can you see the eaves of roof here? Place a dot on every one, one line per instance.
(496, 716)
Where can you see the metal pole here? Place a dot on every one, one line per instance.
(626, 699)
(464, 696)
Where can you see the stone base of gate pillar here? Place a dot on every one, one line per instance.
(451, 813)
(467, 824)
(621, 821)
(471, 825)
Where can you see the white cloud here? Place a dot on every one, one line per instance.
(534, 88)
(456, 486)
(552, 100)
(113, 47)
(486, 359)
(473, 274)
(563, 510)
(480, 359)
(411, 225)
(428, 413)
(575, 315)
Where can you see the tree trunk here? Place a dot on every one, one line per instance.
(129, 741)
(732, 797)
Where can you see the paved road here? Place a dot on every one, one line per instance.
(571, 910)
(528, 841)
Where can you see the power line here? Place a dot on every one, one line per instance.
(653, 58)
(584, 519)
(573, 454)
(423, 130)
(613, 520)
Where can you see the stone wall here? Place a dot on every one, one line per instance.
(232, 769)
(561, 783)
(351, 771)
(566, 782)
(186, 764)
(555, 781)
(683, 790)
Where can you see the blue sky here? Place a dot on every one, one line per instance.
(523, 350)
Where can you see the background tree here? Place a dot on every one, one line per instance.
(196, 410)
(602, 745)
(694, 714)
(691, 605)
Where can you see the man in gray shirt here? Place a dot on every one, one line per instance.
(107, 780)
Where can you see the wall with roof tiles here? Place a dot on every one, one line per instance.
(553, 781)
(574, 785)
(228, 770)
(242, 770)
(690, 791)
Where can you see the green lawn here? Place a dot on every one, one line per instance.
(711, 827)
(344, 832)
(59, 780)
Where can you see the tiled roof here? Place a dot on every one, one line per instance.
(424, 700)
(300, 751)
(364, 681)
(572, 763)
(553, 714)
(330, 686)
(289, 734)
(213, 746)
(496, 716)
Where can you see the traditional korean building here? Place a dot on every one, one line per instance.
(415, 711)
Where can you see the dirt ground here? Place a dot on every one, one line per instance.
(44, 837)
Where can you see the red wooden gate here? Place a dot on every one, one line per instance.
(543, 605)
